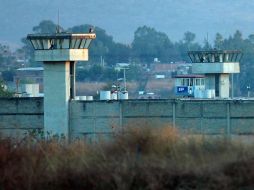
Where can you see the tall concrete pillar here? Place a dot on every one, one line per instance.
(224, 86)
(57, 93)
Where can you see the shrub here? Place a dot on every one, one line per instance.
(138, 158)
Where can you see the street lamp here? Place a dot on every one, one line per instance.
(124, 77)
(248, 89)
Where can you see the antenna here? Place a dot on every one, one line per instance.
(207, 41)
(58, 26)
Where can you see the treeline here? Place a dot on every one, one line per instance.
(97, 72)
(147, 44)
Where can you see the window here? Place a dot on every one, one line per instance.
(202, 82)
(197, 82)
(182, 82)
(185, 82)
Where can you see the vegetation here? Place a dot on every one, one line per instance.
(3, 91)
(147, 44)
(141, 158)
(99, 73)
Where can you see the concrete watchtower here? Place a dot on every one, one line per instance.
(59, 53)
(216, 65)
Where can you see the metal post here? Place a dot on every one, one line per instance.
(72, 80)
(232, 85)
(228, 121)
(69, 135)
(124, 78)
(121, 116)
(202, 131)
(174, 114)
(248, 89)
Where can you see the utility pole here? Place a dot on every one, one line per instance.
(124, 79)
(248, 89)
(232, 85)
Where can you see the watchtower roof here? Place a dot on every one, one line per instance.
(212, 56)
(62, 36)
(61, 40)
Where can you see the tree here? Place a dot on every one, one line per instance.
(3, 91)
(218, 42)
(96, 73)
(189, 37)
(101, 46)
(118, 53)
(251, 38)
(207, 45)
(149, 43)
(8, 75)
(46, 26)
(185, 45)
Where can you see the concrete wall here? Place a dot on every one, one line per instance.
(61, 55)
(216, 67)
(20, 115)
(227, 117)
(93, 119)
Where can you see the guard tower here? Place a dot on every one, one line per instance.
(216, 65)
(59, 53)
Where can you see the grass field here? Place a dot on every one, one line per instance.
(141, 158)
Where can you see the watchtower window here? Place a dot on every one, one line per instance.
(215, 56)
(202, 82)
(197, 82)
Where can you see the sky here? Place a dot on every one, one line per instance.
(120, 18)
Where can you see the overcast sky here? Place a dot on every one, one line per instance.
(120, 18)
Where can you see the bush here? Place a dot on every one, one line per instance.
(137, 158)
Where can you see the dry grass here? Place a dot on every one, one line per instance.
(155, 84)
(89, 88)
(139, 158)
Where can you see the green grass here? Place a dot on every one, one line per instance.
(141, 158)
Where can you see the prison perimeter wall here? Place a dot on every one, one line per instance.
(18, 116)
(90, 119)
(226, 117)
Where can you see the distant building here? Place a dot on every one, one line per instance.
(160, 77)
(189, 85)
(148, 95)
(170, 69)
(120, 66)
(29, 75)
(163, 67)
(156, 60)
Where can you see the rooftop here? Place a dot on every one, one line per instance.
(215, 56)
(61, 41)
(31, 69)
(62, 36)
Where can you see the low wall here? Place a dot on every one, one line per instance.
(90, 119)
(229, 117)
(20, 115)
